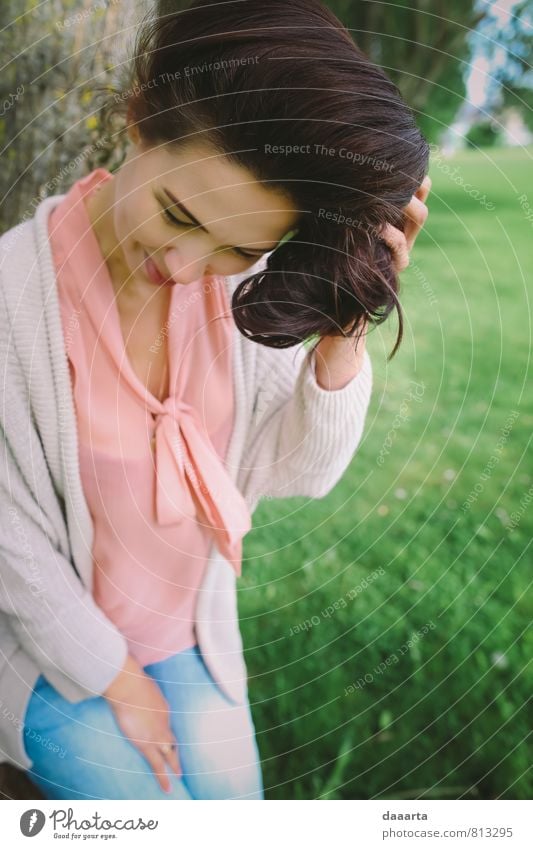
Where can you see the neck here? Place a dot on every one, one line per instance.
(99, 207)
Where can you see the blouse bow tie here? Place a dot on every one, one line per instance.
(192, 481)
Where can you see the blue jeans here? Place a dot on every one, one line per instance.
(78, 751)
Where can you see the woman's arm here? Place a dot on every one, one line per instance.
(302, 436)
(49, 610)
(54, 617)
(308, 422)
(339, 360)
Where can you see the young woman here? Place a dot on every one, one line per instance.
(272, 189)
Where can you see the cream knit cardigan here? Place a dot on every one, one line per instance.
(290, 437)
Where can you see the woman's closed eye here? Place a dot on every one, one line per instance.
(176, 222)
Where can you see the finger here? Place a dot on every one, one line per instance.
(170, 754)
(155, 758)
(395, 239)
(173, 760)
(416, 213)
(397, 242)
(424, 189)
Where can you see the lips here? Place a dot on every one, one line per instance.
(154, 273)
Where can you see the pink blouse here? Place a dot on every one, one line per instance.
(152, 471)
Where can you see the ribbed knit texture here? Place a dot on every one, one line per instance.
(291, 437)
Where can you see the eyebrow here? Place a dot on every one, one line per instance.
(186, 212)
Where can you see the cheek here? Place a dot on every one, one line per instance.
(134, 224)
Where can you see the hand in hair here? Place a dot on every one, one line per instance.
(338, 360)
(416, 213)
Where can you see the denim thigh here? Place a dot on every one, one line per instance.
(216, 737)
(78, 750)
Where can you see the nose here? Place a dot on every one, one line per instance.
(184, 269)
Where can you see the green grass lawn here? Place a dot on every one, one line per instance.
(450, 422)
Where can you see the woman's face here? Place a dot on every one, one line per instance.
(226, 222)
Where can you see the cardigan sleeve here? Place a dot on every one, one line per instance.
(302, 437)
(52, 614)
(48, 608)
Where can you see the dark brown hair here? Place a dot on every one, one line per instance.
(283, 90)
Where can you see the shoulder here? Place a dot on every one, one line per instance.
(26, 263)
(31, 317)
(17, 258)
(16, 248)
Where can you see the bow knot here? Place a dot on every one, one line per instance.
(174, 408)
(193, 483)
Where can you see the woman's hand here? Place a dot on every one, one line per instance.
(142, 714)
(416, 212)
(337, 361)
